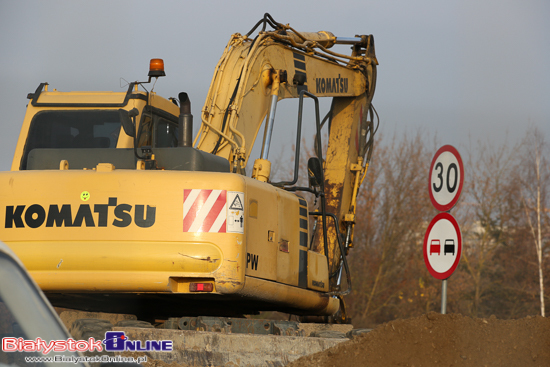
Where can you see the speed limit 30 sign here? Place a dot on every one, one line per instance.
(446, 178)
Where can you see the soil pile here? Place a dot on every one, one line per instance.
(443, 340)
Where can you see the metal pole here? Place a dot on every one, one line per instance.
(444, 297)
(348, 237)
(269, 127)
(348, 40)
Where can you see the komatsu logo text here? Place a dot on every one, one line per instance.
(34, 216)
(331, 85)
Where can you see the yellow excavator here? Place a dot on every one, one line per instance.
(112, 205)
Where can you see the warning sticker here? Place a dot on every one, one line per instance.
(237, 203)
(235, 212)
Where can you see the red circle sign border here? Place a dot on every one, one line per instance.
(447, 274)
(453, 151)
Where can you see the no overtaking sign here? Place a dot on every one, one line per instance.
(442, 246)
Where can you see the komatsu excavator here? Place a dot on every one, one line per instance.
(113, 206)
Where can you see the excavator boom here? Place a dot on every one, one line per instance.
(253, 74)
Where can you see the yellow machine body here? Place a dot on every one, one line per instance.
(127, 234)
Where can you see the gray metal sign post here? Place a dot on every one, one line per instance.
(444, 296)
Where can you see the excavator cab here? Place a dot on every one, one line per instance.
(76, 128)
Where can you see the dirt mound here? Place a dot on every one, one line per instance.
(444, 340)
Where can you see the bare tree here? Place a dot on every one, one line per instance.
(397, 208)
(535, 181)
(486, 224)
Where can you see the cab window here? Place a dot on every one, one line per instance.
(73, 129)
(166, 134)
(158, 130)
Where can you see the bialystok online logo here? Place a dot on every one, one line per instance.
(115, 341)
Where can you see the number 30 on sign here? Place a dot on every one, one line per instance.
(446, 178)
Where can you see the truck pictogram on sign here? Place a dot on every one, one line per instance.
(449, 247)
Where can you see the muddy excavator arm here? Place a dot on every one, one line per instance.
(254, 73)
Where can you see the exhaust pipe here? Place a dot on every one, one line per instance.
(185, 123)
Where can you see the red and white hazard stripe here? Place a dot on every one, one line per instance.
(204, 210)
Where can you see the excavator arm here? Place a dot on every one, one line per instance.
(254, 73)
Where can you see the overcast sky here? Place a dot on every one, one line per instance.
(455, 68)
